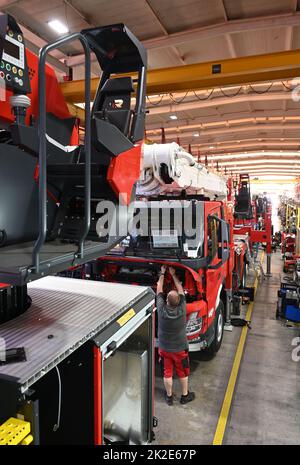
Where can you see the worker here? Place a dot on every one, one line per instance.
(172, 339)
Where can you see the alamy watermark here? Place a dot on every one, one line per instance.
(145, 218)
(296, 90)
(296, 350)
(2, 350)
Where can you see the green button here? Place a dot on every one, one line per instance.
(8, 67)
(2, 64)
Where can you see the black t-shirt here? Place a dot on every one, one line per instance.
(171, 325)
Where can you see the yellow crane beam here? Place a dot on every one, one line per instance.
(268, 67)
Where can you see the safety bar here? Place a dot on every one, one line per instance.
(42, 207)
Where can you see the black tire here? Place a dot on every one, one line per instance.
(218, 330)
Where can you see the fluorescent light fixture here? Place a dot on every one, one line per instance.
(211, 147)
(173, 117)
(196, 134)
(58, 26)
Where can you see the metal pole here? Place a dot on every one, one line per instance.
(42, 208)
(228, 310)
(269, 265)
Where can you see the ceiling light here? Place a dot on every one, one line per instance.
(211, 147)
(173, 117)
(196, 134)
(58, 26)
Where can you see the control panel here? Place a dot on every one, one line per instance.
(13, 65)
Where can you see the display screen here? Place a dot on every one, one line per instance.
(11, 49)
(164, 238)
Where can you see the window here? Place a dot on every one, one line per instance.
(212, 238)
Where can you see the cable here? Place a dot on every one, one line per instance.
(287, 87)
(205, 98)
(180, 100)
(57, 425)
(231, 95)
(157, 103)
(261, 91)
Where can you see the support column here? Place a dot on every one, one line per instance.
(228, 310)
(269, 264)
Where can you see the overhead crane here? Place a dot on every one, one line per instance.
(244, 70)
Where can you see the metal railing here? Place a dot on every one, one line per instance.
(42, 129)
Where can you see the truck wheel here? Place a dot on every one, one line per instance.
(219, 330)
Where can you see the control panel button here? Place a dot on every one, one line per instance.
(21, 82)
(10, 33)
(2, 64)
(8, 77)
(8, 67)
(1, 74)
(14, 70)
(20, 38)
(20, 72)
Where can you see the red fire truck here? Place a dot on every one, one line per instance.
(172, 183)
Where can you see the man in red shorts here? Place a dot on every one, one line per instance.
(172, 340)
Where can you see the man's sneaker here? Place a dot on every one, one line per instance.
(169, 399)
(188, 398)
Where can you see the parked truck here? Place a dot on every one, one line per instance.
(211, 262)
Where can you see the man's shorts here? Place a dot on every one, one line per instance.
(178, 359)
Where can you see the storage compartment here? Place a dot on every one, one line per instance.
(126, 391)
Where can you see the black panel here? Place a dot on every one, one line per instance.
(77, 408)
(9, 395)
(108, 137)
(13, 302)
(116, 48)
(58, 129)
(16, 78)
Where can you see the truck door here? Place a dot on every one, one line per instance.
(217, 256)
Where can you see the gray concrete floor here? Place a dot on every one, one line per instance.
(266, 404)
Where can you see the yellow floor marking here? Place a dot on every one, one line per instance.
(223, 418)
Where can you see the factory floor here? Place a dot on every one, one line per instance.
(265, 407)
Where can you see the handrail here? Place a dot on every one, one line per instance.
(42, 207)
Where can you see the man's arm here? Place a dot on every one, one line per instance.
(160, 283)
(177, 283)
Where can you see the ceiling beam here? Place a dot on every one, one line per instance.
(164, 30)
(219, 101)
(225, 27)
(290, 164)
(230, 130)
(228, 37)
(210, 32)
(214, 120)
(268, 67)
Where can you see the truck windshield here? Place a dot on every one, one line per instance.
(168, 228)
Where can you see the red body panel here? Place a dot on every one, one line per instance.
(204, 285)
(97, 396)
(124, 172)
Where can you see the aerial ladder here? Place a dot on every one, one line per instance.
(169, 169)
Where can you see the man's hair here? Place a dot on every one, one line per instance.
(173, 298)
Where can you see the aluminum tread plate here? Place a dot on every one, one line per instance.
(64, 314)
